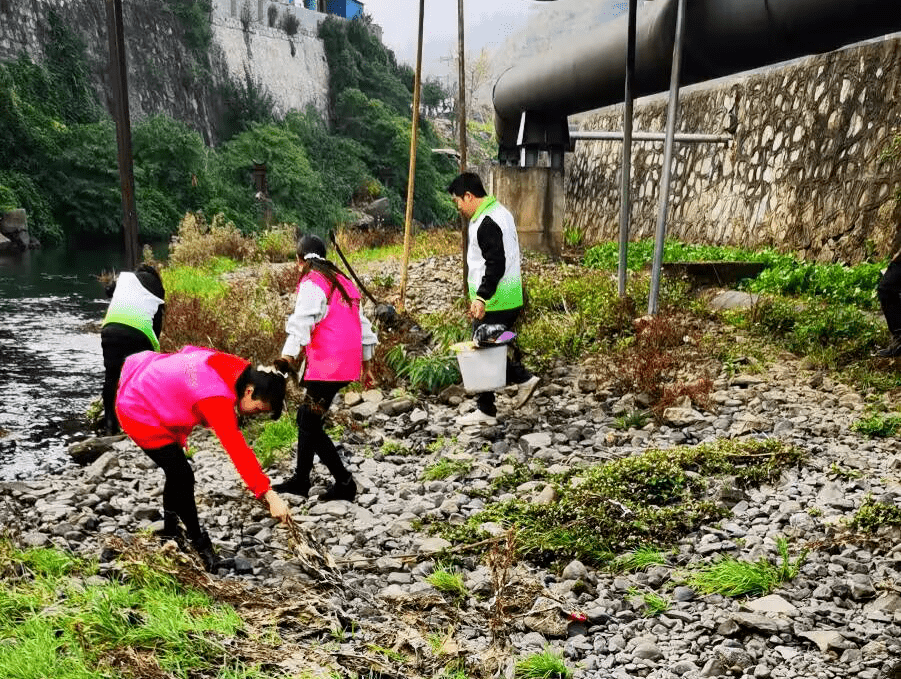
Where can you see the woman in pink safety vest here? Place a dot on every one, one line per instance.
(337, 339)
(162, 397)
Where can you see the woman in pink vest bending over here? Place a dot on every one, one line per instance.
(328, 324)
(162, 397)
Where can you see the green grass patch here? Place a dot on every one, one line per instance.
(654, 604)
(639, 559)
(276, 437)
(447, 580)
(732, 577)
(54, 624)
(653, 498)
(784, 274)
(193, 282)
(544, 665)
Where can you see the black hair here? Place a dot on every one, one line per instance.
(267, 386)
(467, 181)
(151, 280)
(311, 244)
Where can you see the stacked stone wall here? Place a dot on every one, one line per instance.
(803, 172)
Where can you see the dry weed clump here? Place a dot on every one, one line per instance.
(659, 361)
(197, 241)
(352, 240)
(248, 321)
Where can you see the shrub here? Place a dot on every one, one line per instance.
(247, 320)
(290, 23)
(196, 242)
(278, 244)
(654, 363)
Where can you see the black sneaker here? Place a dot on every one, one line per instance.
(294, 485)
(892, 350)
(171, 529)
(204, 548)
(346, 490)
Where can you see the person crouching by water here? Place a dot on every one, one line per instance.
(162, 397)
(328, 324)
(133, 323)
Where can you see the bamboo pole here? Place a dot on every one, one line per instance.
(461, 105)
(411, 179)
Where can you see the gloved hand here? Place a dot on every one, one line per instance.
(286, 365)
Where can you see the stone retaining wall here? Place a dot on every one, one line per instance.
(164, 76)
(802, 172)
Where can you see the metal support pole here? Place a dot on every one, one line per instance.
(411, 179)
(625, 206)
(671, 115)
(461, 105)
(652, 137)
(119, 78)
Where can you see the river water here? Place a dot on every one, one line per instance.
(51, 365)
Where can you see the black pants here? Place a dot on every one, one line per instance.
(311, 437)
(118, 343)
(516, 371)
(889, 293)
(178, 489)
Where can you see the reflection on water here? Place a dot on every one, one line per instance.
(51, 366)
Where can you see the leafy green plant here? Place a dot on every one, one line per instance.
(732, 577)
(447, 580)
(446, 468)
(841, 472)
(872, 515)
(431, 372)
(544, 665)
(635, 419)
(878, 425)
(387, 652)
(395, 448)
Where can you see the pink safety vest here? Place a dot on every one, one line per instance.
(160, 390)
(335, 351)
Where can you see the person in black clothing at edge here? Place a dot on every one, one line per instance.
(494, 282)
(889, 293)
(133, 323)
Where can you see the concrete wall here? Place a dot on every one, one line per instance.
(535, 197)
(164, 76)
(293, 68)
(802, 173)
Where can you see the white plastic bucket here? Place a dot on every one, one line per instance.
(482, 368)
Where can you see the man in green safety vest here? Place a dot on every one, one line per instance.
(494, 282)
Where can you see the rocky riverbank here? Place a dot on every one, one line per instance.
(840, 617)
